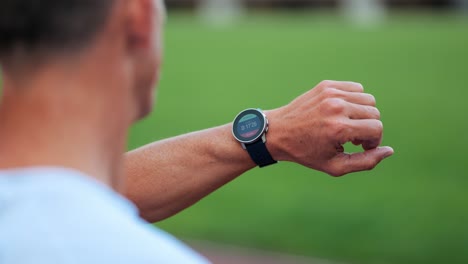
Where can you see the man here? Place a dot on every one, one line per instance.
(76, 74)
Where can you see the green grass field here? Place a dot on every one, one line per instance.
(411, 209)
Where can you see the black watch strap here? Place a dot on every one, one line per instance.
(260, 154)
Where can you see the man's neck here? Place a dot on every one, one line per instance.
(62, 120)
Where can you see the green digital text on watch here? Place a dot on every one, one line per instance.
(250, 128)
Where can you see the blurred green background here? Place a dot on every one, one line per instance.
(413, 208)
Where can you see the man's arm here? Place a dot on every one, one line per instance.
(166, 177)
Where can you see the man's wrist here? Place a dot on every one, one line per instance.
(275, 138)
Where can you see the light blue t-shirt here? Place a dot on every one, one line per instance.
(52, 215)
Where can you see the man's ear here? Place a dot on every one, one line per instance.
(141, 23)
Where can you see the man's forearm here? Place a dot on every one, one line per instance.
(165, 177)
(168, 176)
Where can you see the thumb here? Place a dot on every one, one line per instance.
(345, 163)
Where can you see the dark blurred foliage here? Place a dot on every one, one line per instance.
(299, 4)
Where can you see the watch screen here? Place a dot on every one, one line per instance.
(249, 125)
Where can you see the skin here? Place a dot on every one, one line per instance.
(73, 110)
(163, 179)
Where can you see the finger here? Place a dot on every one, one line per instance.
(345, 163)
(367, 145)
(365, 130)
(347, 86)
(356, 111)
(359, 98)
(352, 97)
(371, 144)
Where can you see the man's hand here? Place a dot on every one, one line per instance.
(170, 175)
(313, 128)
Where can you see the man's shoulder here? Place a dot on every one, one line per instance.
(49, 219)
(64, 197)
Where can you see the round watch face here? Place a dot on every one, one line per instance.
(249, 125)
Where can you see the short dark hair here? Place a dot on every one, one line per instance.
(50, 24)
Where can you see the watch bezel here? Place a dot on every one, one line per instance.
(262, 131)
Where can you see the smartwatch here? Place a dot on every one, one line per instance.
(250, 128)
